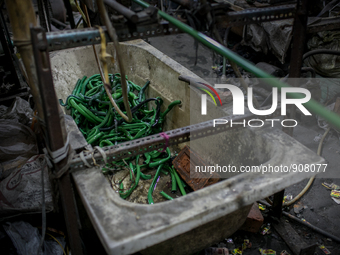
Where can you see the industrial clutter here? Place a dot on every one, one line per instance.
(170, 127)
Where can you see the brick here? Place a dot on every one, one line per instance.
(254, 220)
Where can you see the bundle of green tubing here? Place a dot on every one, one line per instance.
(101, 125)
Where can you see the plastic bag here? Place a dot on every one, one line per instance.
(17, 145)
(26, 239)
(21, 191)
(20, 110)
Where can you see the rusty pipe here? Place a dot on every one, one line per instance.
(131, 15)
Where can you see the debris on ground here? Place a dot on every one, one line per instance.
(267, 252)
(331, 186)
(284, 252)
(298, 208)
(335, 193)
(216, 251)
(246, 244)
(324, 249)
(262, 207)
(287, 198)
(237, 251)
(265, 229)
(336, 200)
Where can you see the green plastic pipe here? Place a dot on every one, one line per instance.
(311, 105)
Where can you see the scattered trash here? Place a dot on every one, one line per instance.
(284, 252)
(230, 244)
(331, 186)
(246, 244)
(298, 208)
(287, 198)
(317, 138)
(229, 240)
(262, 207)
(335, 193)
(265, 229)
(216, 251)
(336, 200)
(236, 251)
(324, 249)
(267, 252)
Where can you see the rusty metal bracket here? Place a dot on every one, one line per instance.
(154, 142)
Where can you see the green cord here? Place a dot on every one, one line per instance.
(166, 195)
(101, 125)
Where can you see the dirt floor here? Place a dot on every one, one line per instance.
(320, 210)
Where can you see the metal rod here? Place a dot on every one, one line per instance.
(131, 15)
(69, 13)
(154, 142)
(316, 229)
(299, 38)
(21, 15)
(312, 105)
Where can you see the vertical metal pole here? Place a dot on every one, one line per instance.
(8, 54)
(277, 203)
(21, 15)
(69, 13)
(54, 132)
(299, 40)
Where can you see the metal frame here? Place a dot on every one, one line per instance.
(54, 133)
